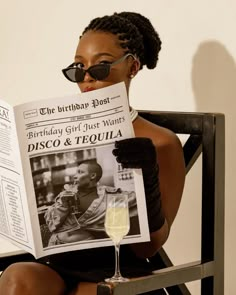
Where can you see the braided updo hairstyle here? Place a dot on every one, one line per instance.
(135, 32)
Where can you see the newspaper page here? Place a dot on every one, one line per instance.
(56, 137)
(14, 215)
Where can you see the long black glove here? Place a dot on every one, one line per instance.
(140, 152)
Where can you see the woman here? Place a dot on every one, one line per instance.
(114, 49)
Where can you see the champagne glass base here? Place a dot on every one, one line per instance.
(116, 279)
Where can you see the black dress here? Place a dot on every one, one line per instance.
(94, 265)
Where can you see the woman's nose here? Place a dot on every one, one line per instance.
(88, 77)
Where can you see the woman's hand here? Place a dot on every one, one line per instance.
(137, 152)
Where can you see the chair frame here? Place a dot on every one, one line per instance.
(207, 138)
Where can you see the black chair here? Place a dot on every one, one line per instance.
(206, 138)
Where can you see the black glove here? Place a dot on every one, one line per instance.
(141, 153)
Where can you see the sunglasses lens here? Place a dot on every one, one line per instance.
(74, 74)
(99, 72)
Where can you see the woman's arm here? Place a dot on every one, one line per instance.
(171, 177)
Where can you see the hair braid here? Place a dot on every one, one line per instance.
(135, 32)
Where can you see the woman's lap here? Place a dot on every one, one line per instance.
(93, 266)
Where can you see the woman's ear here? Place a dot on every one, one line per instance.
(93, 176)
(134, 68)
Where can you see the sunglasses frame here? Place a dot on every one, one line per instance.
(73, 66)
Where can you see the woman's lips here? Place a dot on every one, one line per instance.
(89, 89)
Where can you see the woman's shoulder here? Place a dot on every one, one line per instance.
(161, 137)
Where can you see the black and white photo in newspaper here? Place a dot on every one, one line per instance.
(61, 141)
(14, 215)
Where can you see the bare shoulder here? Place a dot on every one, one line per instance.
(162, 138)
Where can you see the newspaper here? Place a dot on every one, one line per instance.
(42, 143)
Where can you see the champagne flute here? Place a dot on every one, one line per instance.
(117, 226)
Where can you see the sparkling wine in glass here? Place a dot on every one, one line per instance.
(117, 227)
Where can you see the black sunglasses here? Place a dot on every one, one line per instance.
(98, 72)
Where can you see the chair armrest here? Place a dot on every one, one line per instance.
(163, 278)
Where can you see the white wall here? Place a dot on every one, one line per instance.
(196, 71)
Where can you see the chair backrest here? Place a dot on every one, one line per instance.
(207, 138)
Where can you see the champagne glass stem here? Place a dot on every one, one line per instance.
(117, 260)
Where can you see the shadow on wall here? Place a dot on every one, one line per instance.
(214, 88)
(214, 78)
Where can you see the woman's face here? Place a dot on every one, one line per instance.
(82, 178)
(97, 47)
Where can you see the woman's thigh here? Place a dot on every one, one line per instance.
(31, 278)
